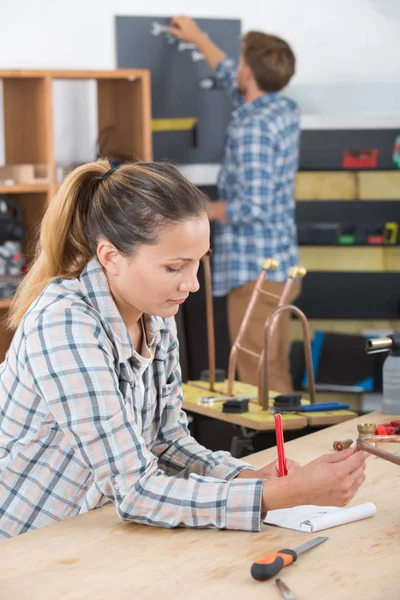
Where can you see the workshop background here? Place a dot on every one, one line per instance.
(348, 186)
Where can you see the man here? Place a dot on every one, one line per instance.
(255, 215)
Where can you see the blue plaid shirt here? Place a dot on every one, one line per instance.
(257, 181)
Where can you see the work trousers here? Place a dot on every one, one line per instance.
(279, 378)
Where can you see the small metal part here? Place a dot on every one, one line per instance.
(157, 28)
(342, 444)
(366, 429)
(390, 342)
(287, 594)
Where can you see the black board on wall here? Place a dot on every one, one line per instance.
(175, 77)
(323, 149)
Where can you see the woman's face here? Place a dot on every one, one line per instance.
(158, 278)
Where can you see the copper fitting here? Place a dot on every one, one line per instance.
(263, 389)
(366, 429)
(342, 445)
(269, 263)
(365, 444)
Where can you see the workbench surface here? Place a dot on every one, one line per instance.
(95, 556)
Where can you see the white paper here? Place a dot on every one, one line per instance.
(310, 518)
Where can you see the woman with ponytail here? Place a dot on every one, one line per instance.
(90, 390)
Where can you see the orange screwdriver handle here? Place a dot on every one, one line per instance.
(268, 566)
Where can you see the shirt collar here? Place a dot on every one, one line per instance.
(97, 291)
(260, 102)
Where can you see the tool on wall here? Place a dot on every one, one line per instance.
(360, 159)
(267, 567)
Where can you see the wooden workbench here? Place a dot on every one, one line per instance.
(94, 556)
(256, 418)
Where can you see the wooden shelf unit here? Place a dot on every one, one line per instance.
(123, 102)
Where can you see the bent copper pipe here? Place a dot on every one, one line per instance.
(210, 320)
(294, 273)
(263, 389)
(364, 443)
(269, 263)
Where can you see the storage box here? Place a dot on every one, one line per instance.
(24, 174)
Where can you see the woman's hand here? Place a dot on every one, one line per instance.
(331, 479)
(271, 471)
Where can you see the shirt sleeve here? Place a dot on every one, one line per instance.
(226, 75)
(178, 452)
(71, 361)
(255, 187)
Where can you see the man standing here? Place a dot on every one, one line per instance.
(255, 215)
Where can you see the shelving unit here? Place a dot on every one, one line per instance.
(123, 101)
(357, 186)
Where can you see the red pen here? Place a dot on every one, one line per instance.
(280, 445)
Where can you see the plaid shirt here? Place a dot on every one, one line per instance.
(83, 423)
(257, 181)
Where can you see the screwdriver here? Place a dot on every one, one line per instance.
(268, 566)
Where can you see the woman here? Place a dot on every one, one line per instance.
(91, 389)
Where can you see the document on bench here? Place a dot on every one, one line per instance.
(310, 518)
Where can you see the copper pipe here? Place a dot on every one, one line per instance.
(269, 263)
(294, 273)
(340, 445)
(365, 442)
(210, 321)
(263, 389)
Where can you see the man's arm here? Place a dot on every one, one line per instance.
(186, 29)
(224, 68)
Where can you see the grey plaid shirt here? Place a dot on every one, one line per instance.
(83, 424)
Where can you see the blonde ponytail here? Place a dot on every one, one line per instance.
(128, 207)
(62, 249)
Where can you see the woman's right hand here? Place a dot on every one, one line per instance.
(330, 480)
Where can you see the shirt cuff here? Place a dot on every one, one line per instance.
(225, 67)
(229, 469)
(243, 505)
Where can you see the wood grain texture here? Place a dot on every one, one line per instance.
(326, 185)
(96, 556)
(348, 258)
(255, 418)
(384, 185)
(124, 99)
(342, 326)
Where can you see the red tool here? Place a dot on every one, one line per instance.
(280, 445)
(268, 566)
(386, 430)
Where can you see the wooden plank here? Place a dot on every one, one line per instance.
(255, 418)
(342, 326)
(25, 121)
(124, 107)
(391, 258)
(383, 185)
(73, 74)
(344, 258)
(23, 189)
(326, 185)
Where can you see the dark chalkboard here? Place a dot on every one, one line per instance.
(175, 77)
